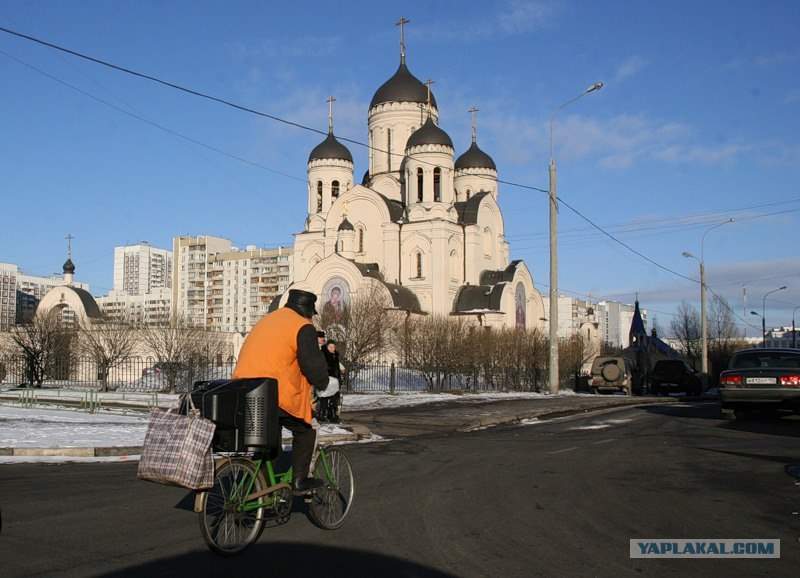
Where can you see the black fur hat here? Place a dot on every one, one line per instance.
(302, 302)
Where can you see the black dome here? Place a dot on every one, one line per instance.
(330, 148)
(475, 158)
(402, 87)
(69, 266)
(429, 133)
(346, 225)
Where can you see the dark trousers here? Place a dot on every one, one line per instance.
(303, 438)
(329, 408)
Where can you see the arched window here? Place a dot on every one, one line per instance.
(437, 185)
(420, 185)
(419, 265)
(361, 239)
(487, 242)
(389, 148)
(319, 196)
(469, 194)
(454, 264)
(335, 190)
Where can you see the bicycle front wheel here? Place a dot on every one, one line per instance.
(331, 503)
(226, 527)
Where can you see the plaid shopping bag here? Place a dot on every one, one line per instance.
(177, 449)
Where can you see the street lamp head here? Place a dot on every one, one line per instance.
(755, 313)
(595, 87)
(781, 288)
(687, 254)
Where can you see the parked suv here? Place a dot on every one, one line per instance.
(674, 376)
(611, 374)
(766, 379)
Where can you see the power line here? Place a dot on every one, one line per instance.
(148, 121)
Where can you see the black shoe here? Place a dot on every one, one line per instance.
(306, 485)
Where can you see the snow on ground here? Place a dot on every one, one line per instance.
(63, 459)
(52, 428)
(47, 428)
(365, 401)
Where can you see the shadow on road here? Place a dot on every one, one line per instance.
(778, 426)
(282, 559)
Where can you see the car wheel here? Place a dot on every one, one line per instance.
(742, 414)
(595, 391)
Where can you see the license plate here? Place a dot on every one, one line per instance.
(761, 380)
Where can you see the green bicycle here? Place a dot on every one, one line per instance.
(248, 492)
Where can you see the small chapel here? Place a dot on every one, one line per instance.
(422, 224)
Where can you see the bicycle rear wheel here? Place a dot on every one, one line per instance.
(330, 504)
(225, 528)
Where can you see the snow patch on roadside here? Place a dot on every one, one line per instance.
(368, 401)
(593, 426)
(64, 459)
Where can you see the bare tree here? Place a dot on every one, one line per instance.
(724, 337)
(686, 330)
(575, 353)
(44, 343)
(174, 345)
(364, 327)
(437, 348)
(107, 342)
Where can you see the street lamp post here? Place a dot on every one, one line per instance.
(794, 331)
(553, 358)
(703, 315)
(764, 314)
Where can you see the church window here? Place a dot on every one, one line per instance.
(335, 190)
(487, 242)
(420, 184)
(454, 264)
(389, 148)
(361, 239)
(319, 196)
(469, 194)
(419, 265)
(437, 185)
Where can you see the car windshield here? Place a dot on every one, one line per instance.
(756, 359)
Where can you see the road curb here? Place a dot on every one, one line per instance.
(126, 451)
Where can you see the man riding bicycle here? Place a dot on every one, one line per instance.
(283, 346)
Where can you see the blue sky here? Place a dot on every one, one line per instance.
(698, 122)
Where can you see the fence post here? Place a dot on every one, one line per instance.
(392, 377)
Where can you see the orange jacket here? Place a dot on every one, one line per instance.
(270, 350)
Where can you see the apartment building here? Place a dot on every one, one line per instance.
(140, 269)
(8, 295)
(190, 263)
(152, 308)
(612, 318)
(241, 285)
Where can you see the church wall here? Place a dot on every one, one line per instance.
(475, 181)
(402, 118)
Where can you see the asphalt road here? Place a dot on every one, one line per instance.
(558, 498)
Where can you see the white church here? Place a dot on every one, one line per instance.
(423, 225)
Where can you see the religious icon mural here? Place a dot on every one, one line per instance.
(335, 298)
(519, 306)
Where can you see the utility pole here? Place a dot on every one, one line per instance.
(794, 330)
(553, 198)
(553, 195)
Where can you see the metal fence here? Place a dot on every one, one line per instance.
(149, 375)
(132, 374)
